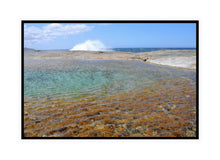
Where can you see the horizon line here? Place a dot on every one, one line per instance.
(116, 48)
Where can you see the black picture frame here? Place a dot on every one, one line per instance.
(110, 21)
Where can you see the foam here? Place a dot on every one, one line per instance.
(90, 45)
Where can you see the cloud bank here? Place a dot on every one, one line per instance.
(33, 34)
(90, 45)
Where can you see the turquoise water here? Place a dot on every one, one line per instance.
(76, 78)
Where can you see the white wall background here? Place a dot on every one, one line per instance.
(11, 14)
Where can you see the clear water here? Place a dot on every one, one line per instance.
(76, 78)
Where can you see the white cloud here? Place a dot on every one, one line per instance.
(90, 45)
(34, 34)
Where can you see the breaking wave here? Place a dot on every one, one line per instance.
(90, 45)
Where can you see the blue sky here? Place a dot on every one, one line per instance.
(45, 36)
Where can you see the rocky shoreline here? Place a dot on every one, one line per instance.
(173, 58)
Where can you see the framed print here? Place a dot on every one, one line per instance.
(108, 79)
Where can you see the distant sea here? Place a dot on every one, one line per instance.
(136, 50)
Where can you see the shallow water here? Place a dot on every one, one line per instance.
(108, 98)
(75, 78)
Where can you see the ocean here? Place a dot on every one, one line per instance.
(133, 50)
(137, 50)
